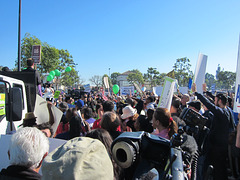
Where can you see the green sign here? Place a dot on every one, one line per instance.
(2, 104)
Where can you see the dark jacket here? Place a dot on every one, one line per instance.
(218, 136)
(16, 172)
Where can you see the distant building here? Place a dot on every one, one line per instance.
(122, 79)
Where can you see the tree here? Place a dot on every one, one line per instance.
(66, 60)
(226, 79)
(49, 54)
(70, 78)
(209, 80)
(114, 77)
(152, 76)
(97, 80)
(26, 48)
(160, 79)
(50, 58)
(182, 71)
(135, 76)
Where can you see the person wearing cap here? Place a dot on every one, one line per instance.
(27, 148)
(80, 158)
(30, 68)
(129, 116)
(218, 136)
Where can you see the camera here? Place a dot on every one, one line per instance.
(139, 152)
(194, 120)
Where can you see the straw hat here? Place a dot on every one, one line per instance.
(29, 115)
(128, 111)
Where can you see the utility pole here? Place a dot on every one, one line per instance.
(19, 36)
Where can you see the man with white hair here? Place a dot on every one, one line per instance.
(27, 148)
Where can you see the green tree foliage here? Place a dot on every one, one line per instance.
(50, 58)
(160, 79)
(114, 77)
(26, 48)
(209, 80)
(182, 71)
(66, 59)
(152, 76)
(135, 76)
(70, 78)
(226, 79)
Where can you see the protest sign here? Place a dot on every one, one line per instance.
(183, 90)
(42, 113)
(200, 71)
(56, 94)
(157, 91)
(236, 108)
(167, 93)
(127, 90)
(105, 80)
(137, 88)
(87, 88)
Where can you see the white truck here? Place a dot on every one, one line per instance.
(17, 97)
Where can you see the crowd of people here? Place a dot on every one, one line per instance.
(91, 124)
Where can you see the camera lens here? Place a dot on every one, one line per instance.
(121, 155)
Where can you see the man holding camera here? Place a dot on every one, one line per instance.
(218, 136)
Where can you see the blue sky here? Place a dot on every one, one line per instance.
(126, 34)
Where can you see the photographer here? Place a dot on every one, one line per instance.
(218, 136)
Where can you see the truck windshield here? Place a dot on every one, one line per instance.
(2, 100)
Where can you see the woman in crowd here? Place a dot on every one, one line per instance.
(129, 117)
(111, 122)
(87, 115)
(163, 123)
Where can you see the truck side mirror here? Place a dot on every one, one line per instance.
(17, 103)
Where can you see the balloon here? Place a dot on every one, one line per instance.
(68, 69)
(49, 77)
(115, 88)
(52, 73)
(57, 72)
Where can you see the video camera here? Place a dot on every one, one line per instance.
(140, 152)
(194, 121)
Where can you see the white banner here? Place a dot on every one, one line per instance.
(167, 93)
(105, 80)
(157, 90)
(40, 107)
(200, 71)
(236, 108)
(127, 90)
